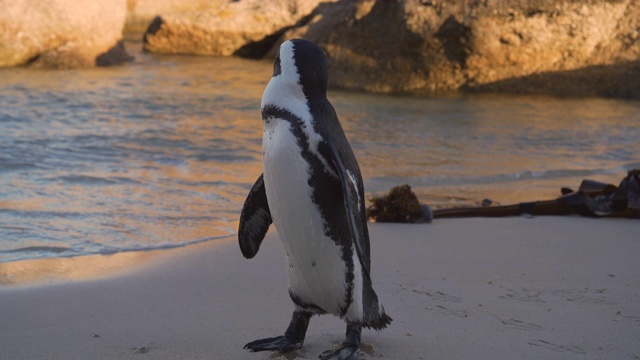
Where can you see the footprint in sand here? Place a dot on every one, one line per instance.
(585, 296)
(447, 311)
(438, 295)
(557, 347)
(518, 324)
(524, 295)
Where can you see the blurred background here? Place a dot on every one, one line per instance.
(135, 125)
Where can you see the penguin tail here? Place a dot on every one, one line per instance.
(374, 314)
(377, 320)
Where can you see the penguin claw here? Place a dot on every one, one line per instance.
(344, 352)
(278, 343)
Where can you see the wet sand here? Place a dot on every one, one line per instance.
(517, 288)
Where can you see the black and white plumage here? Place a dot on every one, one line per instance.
(311, 189)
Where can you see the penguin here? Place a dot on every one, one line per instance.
(311, 189)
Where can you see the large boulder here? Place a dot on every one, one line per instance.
(223, 28)
(61, 33)
(140, 13)
(501, 45)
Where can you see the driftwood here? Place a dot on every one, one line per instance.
(592, 199)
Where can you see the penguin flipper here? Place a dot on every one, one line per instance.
(254, 220)
(352, 208)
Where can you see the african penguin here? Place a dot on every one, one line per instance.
(311, 190)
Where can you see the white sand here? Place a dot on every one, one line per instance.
(543, 288)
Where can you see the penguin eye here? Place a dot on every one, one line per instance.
(276, 66)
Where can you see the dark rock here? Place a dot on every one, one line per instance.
(567, 47)
(454, 37)
(114, 56)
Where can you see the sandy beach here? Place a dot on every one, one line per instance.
(516, 288)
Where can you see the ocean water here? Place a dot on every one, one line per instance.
(161, 153)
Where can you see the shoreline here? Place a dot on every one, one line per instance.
(53, 270)
(544, 287)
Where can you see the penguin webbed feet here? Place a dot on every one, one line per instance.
(279, 343)
(344, 352)
(292, 339)
(350, 347)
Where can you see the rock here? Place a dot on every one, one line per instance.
(247, 27)
(60, 33)
(566, 47)
(140, 13)
(497, 45)
(114, 56)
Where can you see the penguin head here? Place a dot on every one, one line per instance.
(303, 64)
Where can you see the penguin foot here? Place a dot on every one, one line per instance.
(278, 343)
(344, 352)
(292, 339)
(350, 347)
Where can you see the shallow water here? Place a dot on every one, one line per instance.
(161, 153)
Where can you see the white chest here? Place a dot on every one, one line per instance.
(316, 268)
